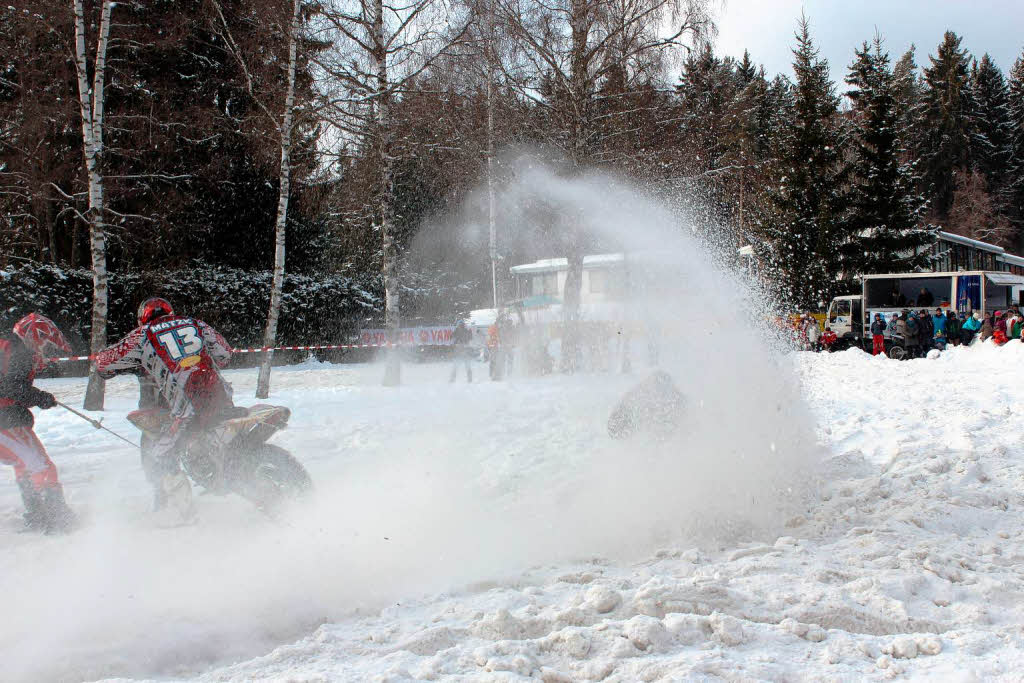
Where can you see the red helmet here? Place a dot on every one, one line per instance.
(42, 336)
(151, 309)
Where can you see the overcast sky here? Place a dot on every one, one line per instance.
(765, 27)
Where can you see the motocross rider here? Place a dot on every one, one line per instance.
(182, 357)
(23, 353)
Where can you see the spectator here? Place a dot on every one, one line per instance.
(987, 328)
(999, 329)
(926, 331)
(828, 339)
(878, 335)
(925, 298)
(913, 336)
(952, 328)
(902, 331)
(970, 327)
(1017, 328)
(496, 361)
(461, 338)
(939, 330)
(813, 334)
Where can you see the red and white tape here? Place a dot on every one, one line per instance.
(321, 347)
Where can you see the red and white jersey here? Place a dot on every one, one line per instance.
(170, 350)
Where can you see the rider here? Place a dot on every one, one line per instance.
(23, 353)
(181, 356)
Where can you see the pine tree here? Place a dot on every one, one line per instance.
(1015, 184)
(944, 122)
(885, 210)
(804, 229)
(992, 130)
(907, 93)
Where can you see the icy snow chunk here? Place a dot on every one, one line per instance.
(902, 648)
(500, 625)
(809, 632)
(574, 642)
(727, 630)
(646, 633)
(929, 645)
(602, 599)
(688, 629)
(429, 642)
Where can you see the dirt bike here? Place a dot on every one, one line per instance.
(232, 456)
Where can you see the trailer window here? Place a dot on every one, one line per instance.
(841, 308)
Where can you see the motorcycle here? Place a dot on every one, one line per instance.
(232, 455)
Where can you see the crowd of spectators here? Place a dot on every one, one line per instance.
(918, 332)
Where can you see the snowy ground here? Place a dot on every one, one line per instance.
(493, 532)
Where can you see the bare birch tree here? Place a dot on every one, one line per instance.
(91, 97)
(285, 133)
(565, 49)
(381, 48)
(270, 333)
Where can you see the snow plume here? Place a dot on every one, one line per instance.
(429, 487)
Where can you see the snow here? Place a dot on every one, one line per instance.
(494, 532)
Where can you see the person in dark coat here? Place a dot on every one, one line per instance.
(925, 298)
(913, 334)
(926, 331)
(952, 328)
(461, 338)
(903, 333)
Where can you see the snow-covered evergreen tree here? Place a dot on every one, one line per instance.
(944, 121)
(1015, 189)
(992, 130)
(804, 232)
(885, 209)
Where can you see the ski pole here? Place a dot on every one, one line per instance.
(98, 424)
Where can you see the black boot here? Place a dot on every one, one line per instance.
(59, 517)
(35, 514)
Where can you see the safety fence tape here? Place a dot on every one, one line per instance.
(319, 347)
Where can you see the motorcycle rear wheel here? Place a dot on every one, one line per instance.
(276, 480)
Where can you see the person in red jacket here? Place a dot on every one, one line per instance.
(23, 353)
(828, 338)
(183, 357)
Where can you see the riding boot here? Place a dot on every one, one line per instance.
(35, 516)
(177, 494)
(59, 517)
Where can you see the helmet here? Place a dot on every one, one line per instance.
(42, 336)
(151, 309)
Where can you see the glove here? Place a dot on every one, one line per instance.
(46, 400)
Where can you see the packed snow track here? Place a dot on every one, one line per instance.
(494, 532)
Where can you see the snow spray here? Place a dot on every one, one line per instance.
(434, 487)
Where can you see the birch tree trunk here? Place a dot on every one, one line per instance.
(280, 231)
(386, 195)
(579, 96)
(491, 218)
(91, 101)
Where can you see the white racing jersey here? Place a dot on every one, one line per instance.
(175, 352)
